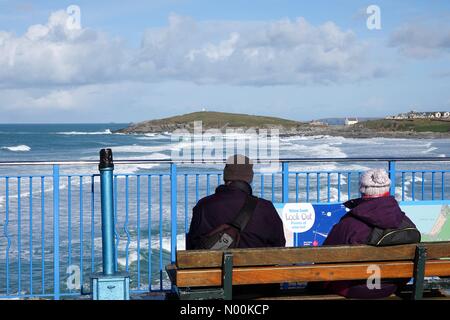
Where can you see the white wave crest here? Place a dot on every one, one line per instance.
(75, 133)
(152, 136)
(122, 168)
(155, 244)
(151, 149)
(429, 150)
(19, 148)
(314, 151)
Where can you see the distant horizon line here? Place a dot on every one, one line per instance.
(43, 123)
(130, 122)
(169, 116)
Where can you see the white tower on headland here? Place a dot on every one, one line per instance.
(351, 121)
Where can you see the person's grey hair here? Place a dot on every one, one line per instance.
(374, 182)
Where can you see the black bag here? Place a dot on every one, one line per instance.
(227, 236)
(406, 233)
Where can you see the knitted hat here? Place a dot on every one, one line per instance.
(374, 182)
(238, 167)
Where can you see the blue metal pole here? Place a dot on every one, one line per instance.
(110, 285)
(285, 181)
(173, 210)
(56, 281)
(106, 168)
(392, 177)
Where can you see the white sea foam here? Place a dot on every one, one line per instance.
(71, 133)
(332, 139)
(152, 136)
(314, 151)
(136, 148)
(155, 245)
(25, 193)
(19, 148)
(118, 168)
(428, 148)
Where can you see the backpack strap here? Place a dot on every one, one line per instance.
(246, 212)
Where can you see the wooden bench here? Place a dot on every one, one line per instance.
(208, 274)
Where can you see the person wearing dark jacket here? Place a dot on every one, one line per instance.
(376, 208)
(264, 229)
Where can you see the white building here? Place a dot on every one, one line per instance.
(351, 121)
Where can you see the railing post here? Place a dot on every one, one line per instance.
(109, 285)
(173, 211)
(285, 181)
(106, 168)
(392, 176)
(56, 278)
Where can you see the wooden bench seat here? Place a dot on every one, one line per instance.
(197, 274)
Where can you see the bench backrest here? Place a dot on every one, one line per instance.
(307, 255)
(206, 268)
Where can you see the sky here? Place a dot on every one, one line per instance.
(116, 61)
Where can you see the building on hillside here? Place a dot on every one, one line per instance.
(351, 121)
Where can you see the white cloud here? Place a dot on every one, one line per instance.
(422, 40)
(224, 52)
(52, 54)
(254, 53)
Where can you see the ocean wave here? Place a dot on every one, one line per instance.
(19, 148)
(74, 133)
(140, 149)
(429, 150)
(152, 136)
(314, 151)
(155, 245)
(122, 168)
(136, 148)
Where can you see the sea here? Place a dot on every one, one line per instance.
(143, 215)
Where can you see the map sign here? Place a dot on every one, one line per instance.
(307, 224)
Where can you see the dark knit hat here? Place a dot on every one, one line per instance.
(238, 167)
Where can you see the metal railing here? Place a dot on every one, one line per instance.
(50, 223)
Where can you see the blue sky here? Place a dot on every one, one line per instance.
(150, 59)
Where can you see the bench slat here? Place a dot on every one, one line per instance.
(325, 254)
(324, 272)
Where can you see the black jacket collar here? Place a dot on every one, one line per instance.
(240, 185)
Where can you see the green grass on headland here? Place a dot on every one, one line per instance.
(414, 125)
(219, 119)
(212, 120)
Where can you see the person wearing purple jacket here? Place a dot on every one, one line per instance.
(264, 229)
(376, 208)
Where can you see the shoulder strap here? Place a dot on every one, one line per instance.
(246, 212)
